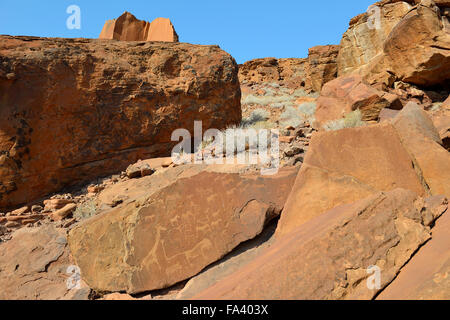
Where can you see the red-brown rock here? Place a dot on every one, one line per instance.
(172, 234)
(128, 28)
(331, 256)
(78, 109)
(344, 166)
(426, 276)
(346, 94)
(410, 44)
(309, 73)
(423, 142)
(34, 266)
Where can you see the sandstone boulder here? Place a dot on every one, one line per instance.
(349, 93)
(363, 41)
(347, 165)
(34, 266)
(423, 142)
(128, 28)
(418, 47)
(398, 41)
(79, 109)
(426, 276)
(162, 29)
(321, 67)
(171, 235)
(333, 255)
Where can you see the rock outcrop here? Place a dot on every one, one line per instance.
(171, 235)
(290, 72)
(309, 73)
(34, 265)
(348, 93)
(334, 255)
(398, 41)
(423, 142)
(128, 28)
(77, 109)
(321, 67)
(426, 276)
(345, 166)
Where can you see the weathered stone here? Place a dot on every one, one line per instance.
(34, 265)
(289, 72)
(426, 276)
(21, 211)
(418, 47)
(387, 114)
(293, 151)
(55, 204)
(162, 29)
(63, 212)
(364, 41)
(99, 105)
(346, 94)
(309, 73)
(397, 41)
(344, 166)
(422, 140)
(331, 256)
(322, 66)
(128, 28)
(174, 233)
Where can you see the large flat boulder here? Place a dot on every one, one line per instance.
(172, 234)
(76, 109)
(345, 166)
(34, 265)
(333, 255)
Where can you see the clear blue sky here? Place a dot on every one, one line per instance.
(247, 29)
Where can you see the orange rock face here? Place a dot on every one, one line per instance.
(128, 28)
(422, 140)
(346, 94)
(345, 166)
(406, 41)
(329, 257)
(34, 266)
(426, 276)
(73, 110)
(171, 235)
(310, 73)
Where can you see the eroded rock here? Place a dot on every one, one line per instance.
(330, 256)
(99, 105)
(174, 233)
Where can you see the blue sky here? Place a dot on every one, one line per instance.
(246, 29)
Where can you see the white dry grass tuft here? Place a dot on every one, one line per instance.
(351, 120)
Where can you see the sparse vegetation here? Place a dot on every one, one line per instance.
(256, 116)
(351, 120)
(85, 210)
